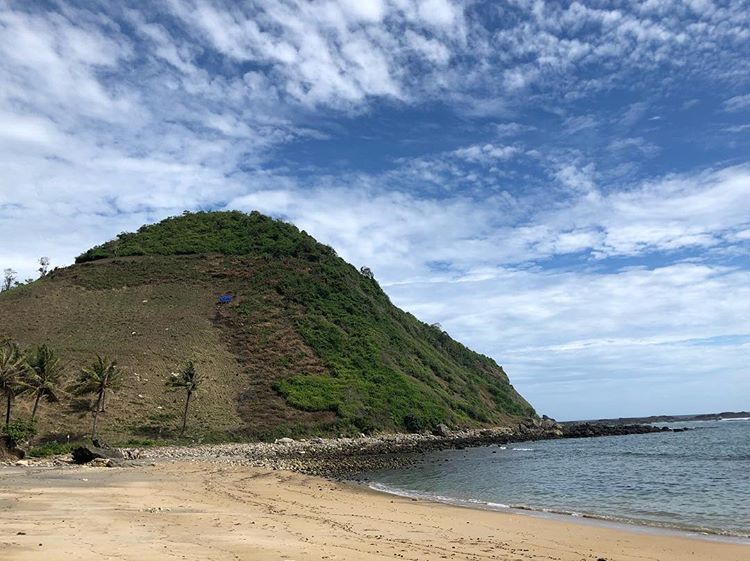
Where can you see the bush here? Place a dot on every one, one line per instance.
(412, 423)
(20, 431)
(52, 449)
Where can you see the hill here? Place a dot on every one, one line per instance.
(307, 344)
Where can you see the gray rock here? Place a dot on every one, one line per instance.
(86, 454)
(442, 430)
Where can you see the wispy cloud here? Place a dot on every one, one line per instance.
(737, 102)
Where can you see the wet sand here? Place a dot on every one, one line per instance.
(205, 511)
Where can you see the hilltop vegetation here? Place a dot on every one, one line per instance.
(226, 233)
(307, 345)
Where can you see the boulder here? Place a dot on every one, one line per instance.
(9, 450)
(86, 454)
(441, 430)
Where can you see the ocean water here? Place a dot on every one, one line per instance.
(697, 480)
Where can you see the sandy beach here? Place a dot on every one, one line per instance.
(193, 510)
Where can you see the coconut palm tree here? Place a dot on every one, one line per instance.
(42, 377)
(187, 379)
(12, 368)
(102, 375)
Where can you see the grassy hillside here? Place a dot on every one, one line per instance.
(308, 345)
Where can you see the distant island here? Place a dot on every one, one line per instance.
(726, 415)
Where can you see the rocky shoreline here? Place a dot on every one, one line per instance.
(346, 458)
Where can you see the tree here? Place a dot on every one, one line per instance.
(9, 277)
(43, 266)
(42, 377)
(187, 379)
(102, 375)
(12, 367)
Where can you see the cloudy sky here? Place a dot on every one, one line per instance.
(563, 186)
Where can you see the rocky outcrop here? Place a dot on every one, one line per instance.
(87, 454)
(9, 451)
(588, 430)
(347, 457)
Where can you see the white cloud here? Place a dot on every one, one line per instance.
(439, 13)
(485, 153)
(367, 10)
(737, 128)
(737, 102)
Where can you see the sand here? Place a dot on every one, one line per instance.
(206, 511)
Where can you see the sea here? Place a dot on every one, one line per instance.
(696, 481)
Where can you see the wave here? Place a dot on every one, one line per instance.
(547, 512)
(736, 419)
(523, 449)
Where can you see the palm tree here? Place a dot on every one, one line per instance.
(42, 378)
(101, 376)
(189, 380)
(12, 367)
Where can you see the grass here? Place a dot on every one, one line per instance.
(307, 347)
(52, 449)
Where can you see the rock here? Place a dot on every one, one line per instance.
(441, 430)
(86, 454)
(9, 450)
(284, 440)
(22, 463)
(131, 454)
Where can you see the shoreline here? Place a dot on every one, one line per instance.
(621, 524)
(203, 510)
(346, 457)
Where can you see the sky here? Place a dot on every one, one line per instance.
(564, 187)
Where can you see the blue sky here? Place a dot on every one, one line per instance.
(563, 186)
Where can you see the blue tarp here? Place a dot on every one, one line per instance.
(225, 298)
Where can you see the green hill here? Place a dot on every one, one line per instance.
(307, 345)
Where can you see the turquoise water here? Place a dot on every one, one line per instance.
(697, 480)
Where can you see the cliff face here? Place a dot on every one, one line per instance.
(293, 340)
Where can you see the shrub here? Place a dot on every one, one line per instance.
(412, 423)
(52, 449)
(20, 431)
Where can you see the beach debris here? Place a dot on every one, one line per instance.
(156, 509)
